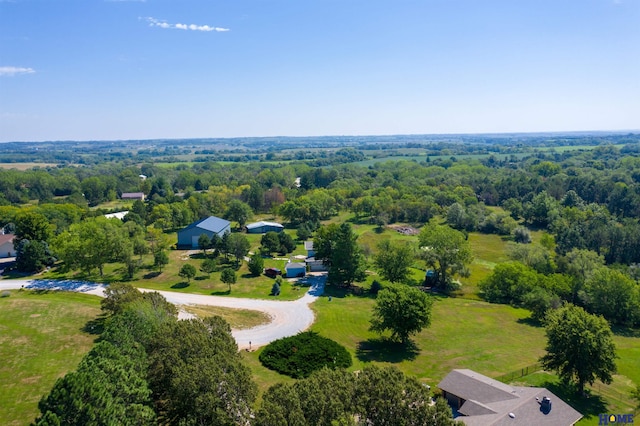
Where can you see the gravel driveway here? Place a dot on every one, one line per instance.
(287, 317)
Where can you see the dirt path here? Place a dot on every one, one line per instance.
(287, 317)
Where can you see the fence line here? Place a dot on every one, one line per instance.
(516, 374)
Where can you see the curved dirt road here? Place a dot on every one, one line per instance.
(287, 318)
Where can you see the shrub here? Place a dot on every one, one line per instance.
(522, 235)
(375, 287)
(275, 289)
(300, 355)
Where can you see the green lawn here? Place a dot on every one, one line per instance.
(42, 337)
(168, 280)
(491, 339)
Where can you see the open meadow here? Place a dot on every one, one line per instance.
(43, 335)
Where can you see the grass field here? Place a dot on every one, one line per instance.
(491, 339)
(237, 318)
(42, 337)
(25, 166)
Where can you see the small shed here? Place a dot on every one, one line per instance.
(6, 246)
(295, 269)
(263, 227)
(188, 237)
(132, 196)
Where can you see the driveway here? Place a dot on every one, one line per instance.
(287, 317)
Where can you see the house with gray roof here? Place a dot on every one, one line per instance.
(188, 237)
(478, 400)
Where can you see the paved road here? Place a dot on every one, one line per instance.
(287, 317)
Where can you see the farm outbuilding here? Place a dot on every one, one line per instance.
(132, 196)
(263, 227)
(295, 269)
(188, 237)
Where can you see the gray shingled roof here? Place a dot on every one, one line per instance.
(520, 401)
(468, 384)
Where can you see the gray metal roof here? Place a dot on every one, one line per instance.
(212, 223)
(264, 223)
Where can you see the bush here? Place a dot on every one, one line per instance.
(300, 355)
(5, 294)
(275, 289)
(375, 287)
(522, 235)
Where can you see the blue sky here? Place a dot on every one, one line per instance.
(118, 69)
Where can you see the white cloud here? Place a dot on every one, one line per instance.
(153, 22)
(11, 71)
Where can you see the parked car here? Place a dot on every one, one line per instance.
(272, 272)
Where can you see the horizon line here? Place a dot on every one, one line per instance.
(504, 134)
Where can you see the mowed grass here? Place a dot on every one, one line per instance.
(491, 339)
(42, 337)
(237, 318)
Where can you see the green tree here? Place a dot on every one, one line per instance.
(32, 226)
(32, 256)
(270, 242)
(256, 264)
(614, 295)
(197, 375)
(401, 309)
(228, 276)
(117, 296)
(238, 246)
(393, 260)
(385, 396)
(32, 233)
(582, 264)
(208, 266)
(93, 243)
(580, 346)
(287, 244)
(337, 246)
(374, 396)
(275, 289)
(239, 212)
(446, 251)
(187, 271)
(160, 259)
(204, 242)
